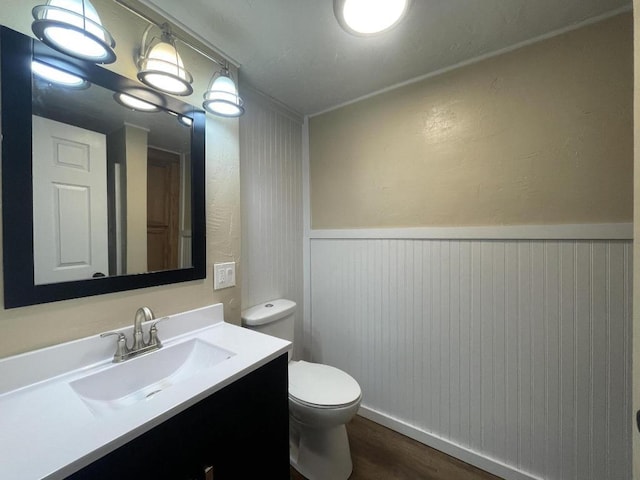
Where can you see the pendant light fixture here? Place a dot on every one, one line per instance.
(222, 96)
(74, 28)
(161, 67)
(369, 17)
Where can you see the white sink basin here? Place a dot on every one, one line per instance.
(140, 378)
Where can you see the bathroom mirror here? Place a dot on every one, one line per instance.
(97, 196)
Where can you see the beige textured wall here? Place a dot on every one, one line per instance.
(28, 328)
(539, 135)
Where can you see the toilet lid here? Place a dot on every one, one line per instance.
(319, 384)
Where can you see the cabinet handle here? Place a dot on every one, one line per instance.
(208, 473)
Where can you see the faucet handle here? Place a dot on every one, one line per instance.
(121, 346)
(159, 320)
(153, 333)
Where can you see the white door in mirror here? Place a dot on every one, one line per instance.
(224, 275)
(69, 202)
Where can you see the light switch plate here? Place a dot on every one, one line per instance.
(224, 275)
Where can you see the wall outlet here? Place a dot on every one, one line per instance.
(224, 275)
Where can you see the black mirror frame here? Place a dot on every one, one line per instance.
(16, 53)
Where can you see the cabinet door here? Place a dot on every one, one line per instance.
(249, 436)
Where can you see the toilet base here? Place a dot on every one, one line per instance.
(320, 454)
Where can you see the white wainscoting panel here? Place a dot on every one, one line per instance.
(514, 352)
(271, 193)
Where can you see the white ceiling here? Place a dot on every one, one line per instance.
(295, 51)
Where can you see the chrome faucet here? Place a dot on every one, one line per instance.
(143, 314)
(139, 346)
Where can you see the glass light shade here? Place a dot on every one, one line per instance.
(73, 27)
(135, 103)
(163, 69)
(222, 97)
(58, 76)
(367, 17)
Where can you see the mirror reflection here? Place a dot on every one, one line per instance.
(111, 184)
(140, 223)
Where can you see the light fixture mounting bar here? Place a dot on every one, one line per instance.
(223, 63)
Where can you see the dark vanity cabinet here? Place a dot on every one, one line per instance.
(239, 432)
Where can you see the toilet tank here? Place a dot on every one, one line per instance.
(275, 318)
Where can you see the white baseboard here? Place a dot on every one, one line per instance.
(469, 456)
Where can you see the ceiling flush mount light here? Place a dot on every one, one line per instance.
(222, 96)
(58, 76)
(74, 27)
(368, 17)
(160, 65)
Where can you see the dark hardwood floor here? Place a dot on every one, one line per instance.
(379, 453)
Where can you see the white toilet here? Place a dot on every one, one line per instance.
(322, 399)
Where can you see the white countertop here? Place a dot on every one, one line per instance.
(47, 430)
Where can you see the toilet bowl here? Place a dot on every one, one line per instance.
(322, 399)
